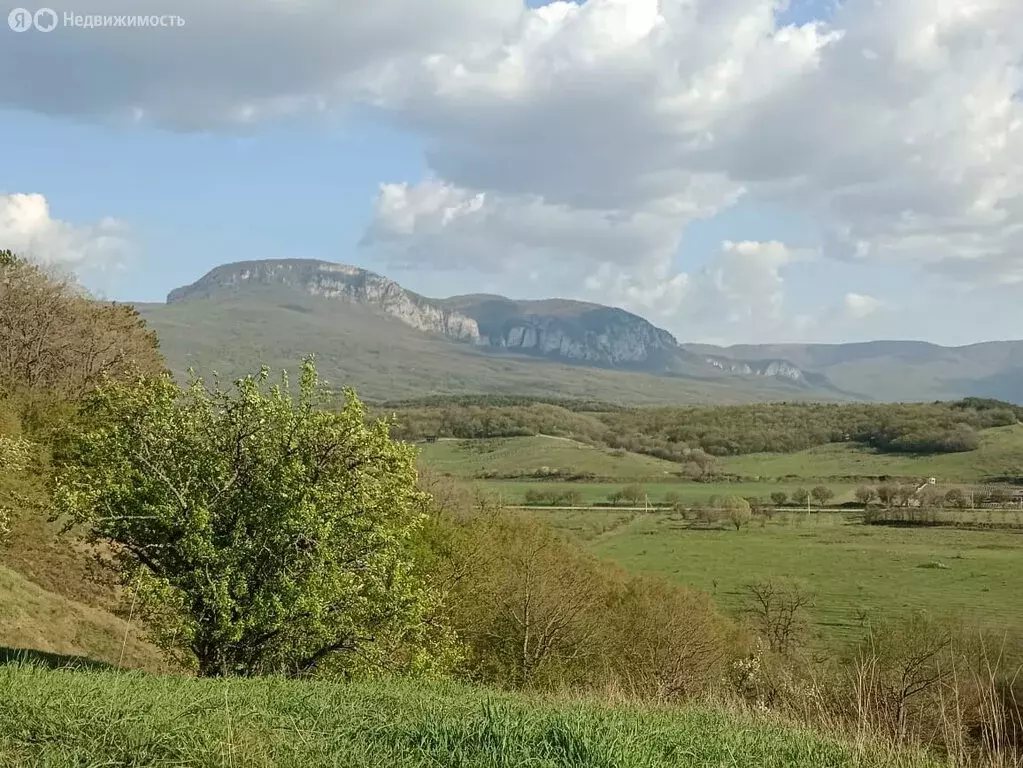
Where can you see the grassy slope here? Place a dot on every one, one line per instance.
(851, 567)
(385, 359)
(1000, 453)
(63, 719)
(33, 618)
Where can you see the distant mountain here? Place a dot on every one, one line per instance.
(898, 370)
(391, 342)
(241, 314)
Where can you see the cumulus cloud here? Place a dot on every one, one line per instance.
(28, 228)
(579, 141)
(896, 128)
(233, 62)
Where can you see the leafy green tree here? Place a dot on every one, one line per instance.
(822, 494)
(778, 498)
(737, 511)
(263, 533)
(801, 496)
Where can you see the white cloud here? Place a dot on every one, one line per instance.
(27, 228)
(909, 154)
(234, 62)
(858, 305)
(578, 141)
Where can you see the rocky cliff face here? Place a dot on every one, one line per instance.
(596, 335)
(781, 369)
(334, 281)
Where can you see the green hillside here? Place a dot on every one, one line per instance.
(64, 719)
(385, 359)
(34, 618)
(999, 455)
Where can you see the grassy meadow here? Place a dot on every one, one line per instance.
(857, 572)
(64, 719)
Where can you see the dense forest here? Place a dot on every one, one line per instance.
(675, 432)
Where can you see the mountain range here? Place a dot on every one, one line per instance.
(389, 342)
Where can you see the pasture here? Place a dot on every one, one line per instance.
(857, 572)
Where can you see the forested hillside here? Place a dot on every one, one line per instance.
(674, 432)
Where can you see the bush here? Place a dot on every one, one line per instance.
(957, 497)
(865, 495)
(262, 534)
(822, 494)
(737, 511)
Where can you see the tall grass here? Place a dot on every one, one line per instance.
(64, 718)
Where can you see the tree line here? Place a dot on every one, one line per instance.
(676, 433)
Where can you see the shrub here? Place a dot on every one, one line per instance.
(737, 511)
(822, 494)
(262, 534)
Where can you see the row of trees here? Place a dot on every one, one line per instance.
(893, 495)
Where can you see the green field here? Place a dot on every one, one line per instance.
(1000, 454)
(63, 719)
(856, 571)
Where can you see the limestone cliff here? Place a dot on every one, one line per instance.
(333, 281)
(570, 331)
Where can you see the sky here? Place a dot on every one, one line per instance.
(736, 171)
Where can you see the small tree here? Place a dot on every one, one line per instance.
(737, 511)
(674, 500)
(263, 534)
(697, 462)
(778, 498)
(865, 495)
(822, 494)
(633, 494)
(615, 498)
(778, 611)
(886, 493)
(801, 496)
(956, 497)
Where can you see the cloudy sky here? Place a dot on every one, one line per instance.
(734, 170)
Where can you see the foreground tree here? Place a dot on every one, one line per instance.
(262, 534)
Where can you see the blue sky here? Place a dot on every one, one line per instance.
(631, 154)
